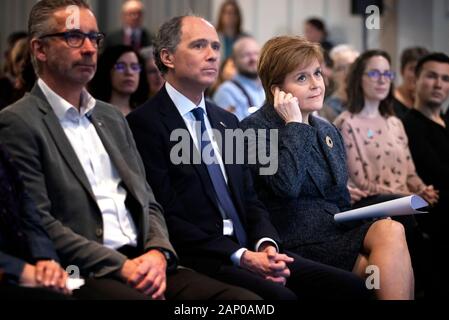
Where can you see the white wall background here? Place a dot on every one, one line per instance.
(413, 22)
(409, 22)
(266, 18)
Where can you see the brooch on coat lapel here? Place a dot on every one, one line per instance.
(329, 142)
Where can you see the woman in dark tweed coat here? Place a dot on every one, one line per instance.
(309, 186)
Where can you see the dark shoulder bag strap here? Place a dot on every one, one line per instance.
(250, 102)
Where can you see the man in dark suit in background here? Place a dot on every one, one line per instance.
(216, 222)
(81, 168)
(132, 33)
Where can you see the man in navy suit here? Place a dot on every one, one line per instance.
(216, 223)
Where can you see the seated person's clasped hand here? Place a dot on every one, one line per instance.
(147, 274)
(356, 194)
(267, 263)
(430, 195)
(287, 106)
(46, 273)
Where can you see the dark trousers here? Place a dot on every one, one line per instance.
(183, 284)
(15, 292)
(308, 280)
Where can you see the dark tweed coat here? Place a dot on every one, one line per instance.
(308, 188)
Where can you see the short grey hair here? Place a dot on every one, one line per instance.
(39, 21)
(168, 37)
(342, 49)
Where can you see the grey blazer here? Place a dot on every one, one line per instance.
(56, 181)
(309, 186)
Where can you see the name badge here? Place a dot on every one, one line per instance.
(329, 142)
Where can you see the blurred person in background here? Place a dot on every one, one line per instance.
(404, 95)
(29, 264)
(7, 78)
(243, 94)
(11, 41)
(154, 76)
(132, 32)
(315, 31)
(120, 79)
(342, 56)
(229, 26)
(22, 68)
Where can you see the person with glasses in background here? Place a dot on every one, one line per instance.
(120, 79)
(29, 265)
(379, 159)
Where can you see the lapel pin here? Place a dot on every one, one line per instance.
(329, 142)
(223, 124)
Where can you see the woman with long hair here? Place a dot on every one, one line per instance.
(379, 159)
(229, 27)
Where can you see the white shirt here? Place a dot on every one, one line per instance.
(185, 106)
(118, 225)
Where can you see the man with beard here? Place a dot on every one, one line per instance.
(243, 94)
(428, 135)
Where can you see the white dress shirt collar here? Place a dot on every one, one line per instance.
(61, 106)
(185, 106)
(182, 103)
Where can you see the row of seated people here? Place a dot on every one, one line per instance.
(81, 168)
(380, 164)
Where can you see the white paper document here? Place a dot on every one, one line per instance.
(399, 207)
(74, 283)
